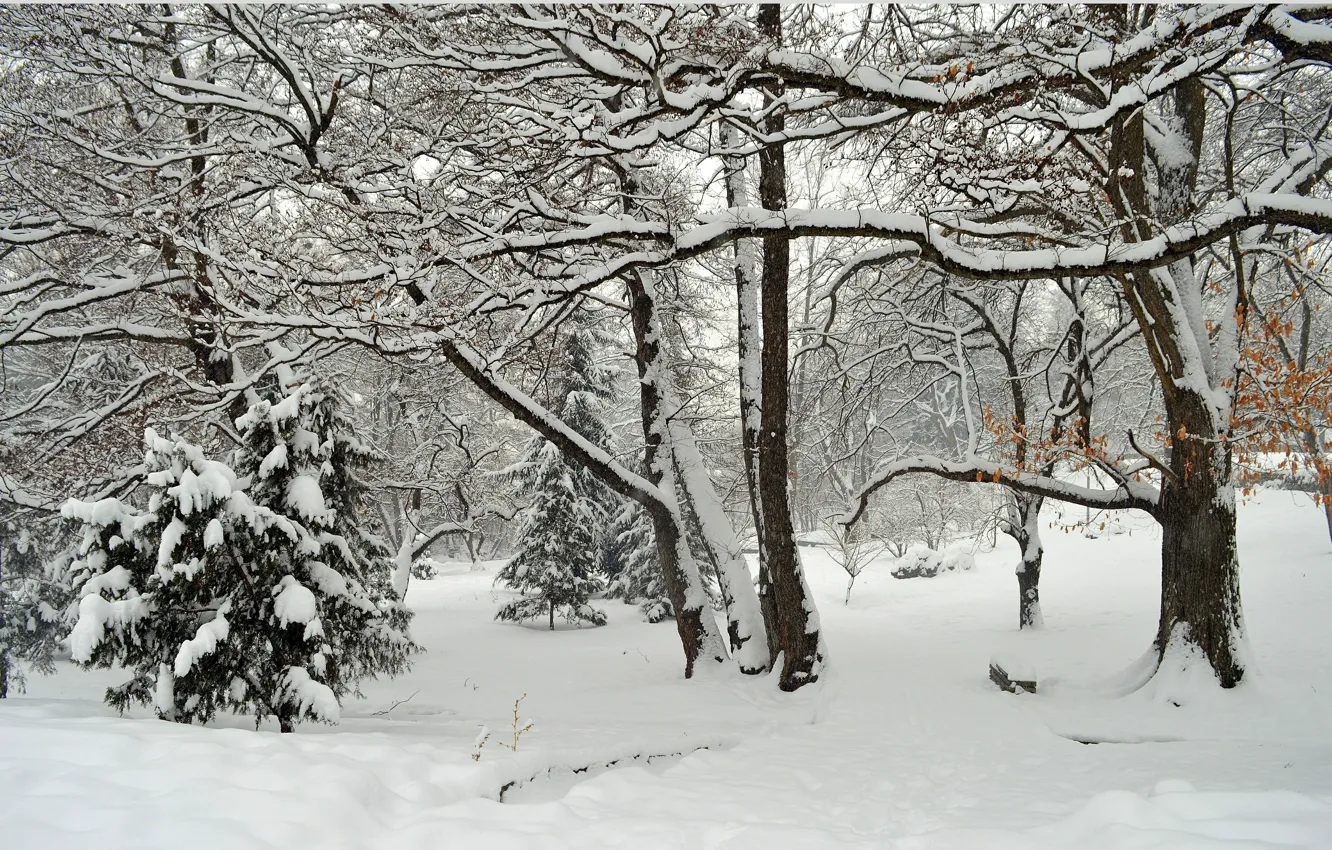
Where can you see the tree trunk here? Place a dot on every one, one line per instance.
(693, 613)
(1200, 598)
(4, 650)
(552, 616)
(702, 510)
(1327, 510)
(1029, 591)
(799, 639)
(661, 460)
(698, 632)
(285, 725)
(749, 348)
(1024, 527)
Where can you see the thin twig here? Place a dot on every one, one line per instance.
(395, 705)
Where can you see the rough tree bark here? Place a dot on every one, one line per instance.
(1200, 599)
(697, 504)
(749, 351)
(799, 639)
(693, 613)
(1024, 527)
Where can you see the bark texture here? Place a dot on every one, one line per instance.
(1025, 529)
(1200, 599)
(693, 615)
(799, 640)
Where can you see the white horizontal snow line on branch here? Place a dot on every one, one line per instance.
(1130, 494)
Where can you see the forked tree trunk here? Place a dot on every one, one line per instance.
(799, 638)
(671, 457)
(1200, 598)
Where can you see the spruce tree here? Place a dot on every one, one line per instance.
(563, 527)
(638, 579)
(32, 602)
(252, 592)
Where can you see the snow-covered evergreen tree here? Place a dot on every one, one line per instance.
(638, 579)
(253, 592)
(563, 527)
(32, 604)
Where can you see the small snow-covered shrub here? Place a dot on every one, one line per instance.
(425, 569)
(917, 562)
(956, 560)
(924, 562)
(249, 589)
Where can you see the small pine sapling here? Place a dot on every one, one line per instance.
(562, 528)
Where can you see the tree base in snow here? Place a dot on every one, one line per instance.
(538, 609)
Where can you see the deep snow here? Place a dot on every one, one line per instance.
(906, 744)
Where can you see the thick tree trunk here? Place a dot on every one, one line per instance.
(1200, 598)
(799, 639)
(670, 456)
(693, 621)
(285, 725)
(1029, 592)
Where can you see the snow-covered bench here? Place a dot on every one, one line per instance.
(1012, 674)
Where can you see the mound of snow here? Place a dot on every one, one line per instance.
(924, 562)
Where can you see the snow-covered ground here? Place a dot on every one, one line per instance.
(905, 745)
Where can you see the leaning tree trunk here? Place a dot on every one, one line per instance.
(693, 612)
(4, 649)
(698, 502)
(799, 638)
(1024, 527)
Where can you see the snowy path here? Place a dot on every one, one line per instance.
(912, 747)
